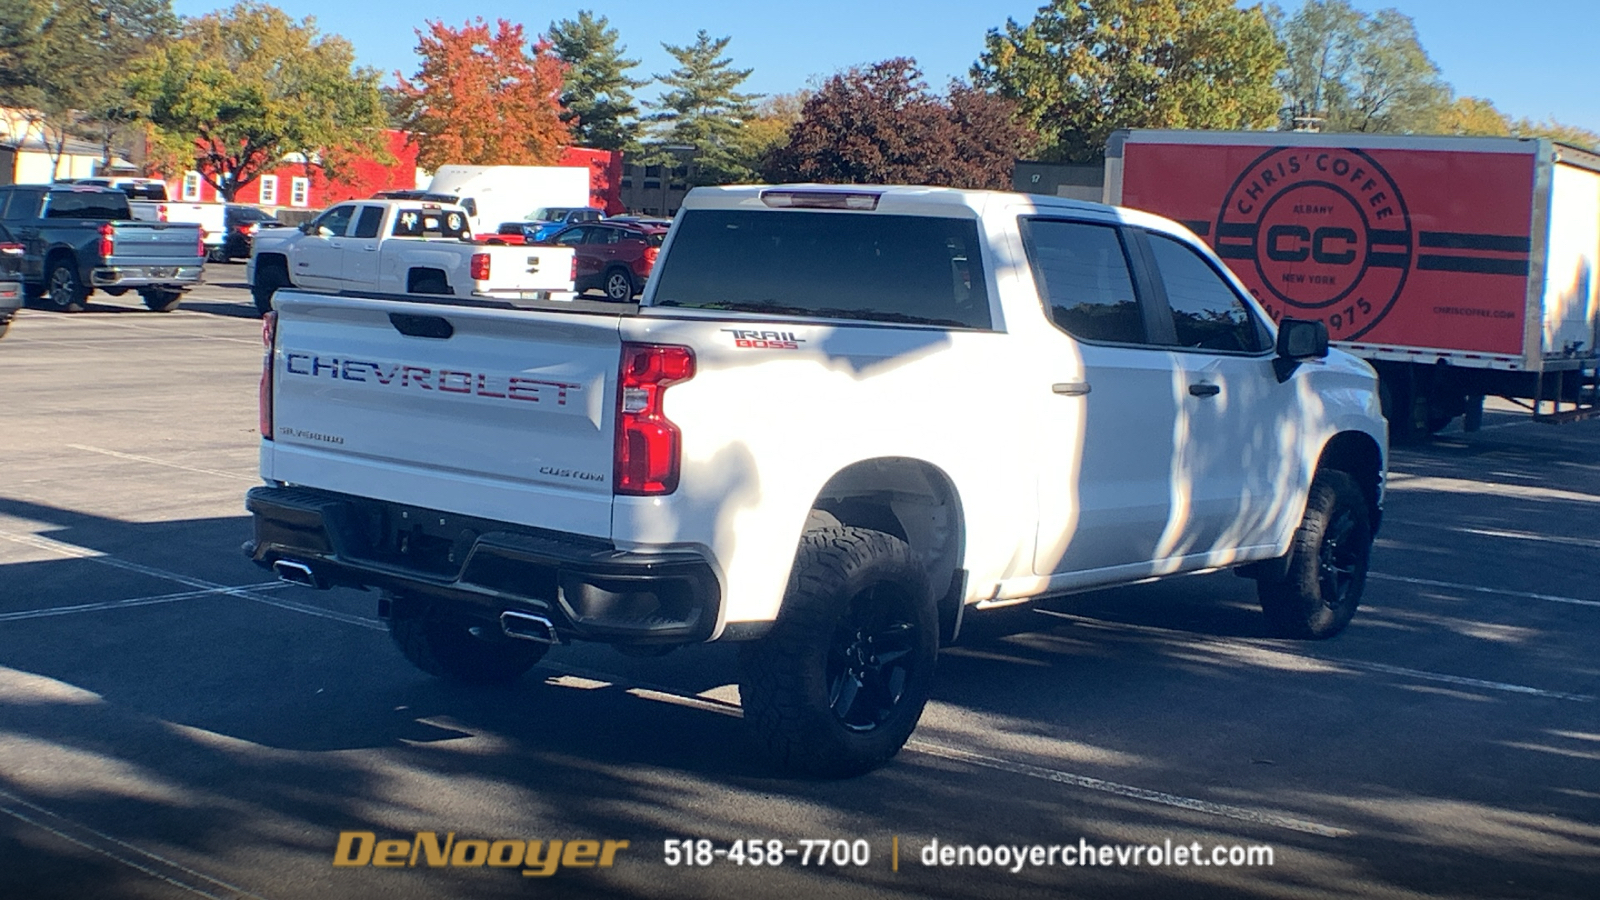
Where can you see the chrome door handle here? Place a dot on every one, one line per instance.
(1204, 390)
(1070, 388)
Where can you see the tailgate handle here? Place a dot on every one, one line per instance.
(437, 327)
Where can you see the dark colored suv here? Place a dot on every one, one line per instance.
(614, 257)
(242, 223)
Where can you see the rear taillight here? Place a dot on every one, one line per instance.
(269, 339)
(161, 213)
(574, 276)
(648, 444)
(650, 254)
(201, 242)
(108, 243)
(480, 267)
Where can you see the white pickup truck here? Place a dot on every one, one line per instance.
(403, 247)
(837, 420)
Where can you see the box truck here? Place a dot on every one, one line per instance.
(495, 194)
(1458, 267)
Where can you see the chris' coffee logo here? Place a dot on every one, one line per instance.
(1327, 231)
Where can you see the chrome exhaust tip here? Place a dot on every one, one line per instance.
(297, 573)
(528, 627)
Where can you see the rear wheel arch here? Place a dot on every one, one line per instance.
(422, 280)
(914, 501)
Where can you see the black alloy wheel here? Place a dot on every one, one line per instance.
(872, 658)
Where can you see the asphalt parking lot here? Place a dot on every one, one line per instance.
(174, 723)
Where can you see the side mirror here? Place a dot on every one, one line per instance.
(1299, 340)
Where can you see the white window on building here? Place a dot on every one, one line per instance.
(191, 185)
(300, 192)
(269, 190)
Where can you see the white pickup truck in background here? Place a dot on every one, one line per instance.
(837, 420)
(148, 200)
(403, 247)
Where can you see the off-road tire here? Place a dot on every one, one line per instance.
(161, 301)
(852, 590)
(444, 647)
(1327, 563)
(268, 280)
(63, 290)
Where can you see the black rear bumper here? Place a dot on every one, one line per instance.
(477, 568)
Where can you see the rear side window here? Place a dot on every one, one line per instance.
(370, 222)
(911, 269)
(104, 206)
(423, 222)
(1206, 312)
(24, 204)
(1083, 272)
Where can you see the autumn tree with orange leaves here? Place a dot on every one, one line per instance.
(484, 98)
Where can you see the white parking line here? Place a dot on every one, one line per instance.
(61, 548)
(1587, 543)
(1190, 637)
(158, 867)
(1258, 817)
(133, 457)
(1478, 589)
(136, 601)
(647, 691)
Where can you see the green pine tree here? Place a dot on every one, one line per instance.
(703, 109)
(597, 95)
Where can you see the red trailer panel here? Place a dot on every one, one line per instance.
(1387, 246)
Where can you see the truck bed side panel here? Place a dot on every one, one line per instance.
(510, 417)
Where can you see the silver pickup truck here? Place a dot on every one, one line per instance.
(77, 238)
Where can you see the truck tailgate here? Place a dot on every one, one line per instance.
(505, 415)
(141, 243)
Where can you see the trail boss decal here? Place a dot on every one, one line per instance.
(1328, 232)
(747, 339)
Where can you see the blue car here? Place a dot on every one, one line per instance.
(548, 220)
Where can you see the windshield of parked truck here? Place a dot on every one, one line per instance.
(909, 269)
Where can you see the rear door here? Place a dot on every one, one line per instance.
(360, 246)
(505, 415)
(1110, 493)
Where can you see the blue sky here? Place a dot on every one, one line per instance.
(1536, 59)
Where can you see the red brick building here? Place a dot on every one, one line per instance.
(297, 186)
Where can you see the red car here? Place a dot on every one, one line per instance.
(613, 256)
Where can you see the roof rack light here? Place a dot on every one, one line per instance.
(787, 199)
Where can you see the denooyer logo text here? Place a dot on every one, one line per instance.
(536, 859)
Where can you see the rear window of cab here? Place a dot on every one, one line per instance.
(919, 270)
